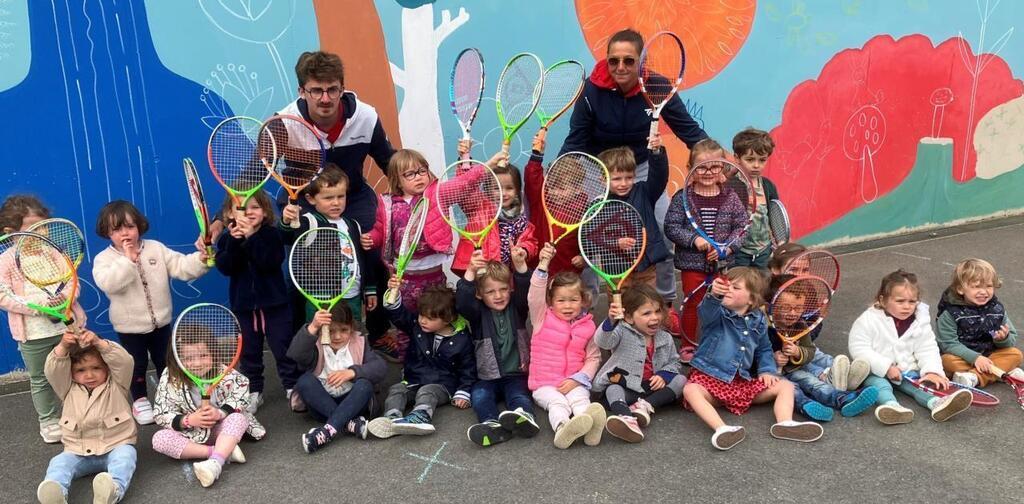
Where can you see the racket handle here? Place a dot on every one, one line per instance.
(503, 162)
(294, 224)
(389, 297)
(993, 369)
(654, 131)
(210, 260)
(617, 298)
(325, 335)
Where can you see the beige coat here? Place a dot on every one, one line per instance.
(94, 424)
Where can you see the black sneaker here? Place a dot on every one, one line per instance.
(519, 422)
(416, 423)
(357, 427)
(316, 438)
(488, 433)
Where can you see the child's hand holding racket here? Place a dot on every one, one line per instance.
(497, 159)
(790, 350)
(519, 258)
(615, 311)
(719, 287)
(320, 319)
(204, 418)
(546, 254)
(769, 379)
(68, 341)
(366, 241)
(539, 141)
(984, 364)
(88, 339)
(780, 358)
(477, 262)
(465, 145)
(290, 214)
(940, 381)
(394, 283)
(654, 142)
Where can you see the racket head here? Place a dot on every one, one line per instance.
(978, 397)
(519, 89)
(574, 182)
(38, 275)
(798, 306)
(466, 88)
(712, 185)
(240, 153)
(469, 198)
(778, 222)
(563, 83)
(662, 64)
(601, 243)
(820, 263)
(66, 235)
(323, 265)
(411, 235)
(299, 148)
(206, 342)
(195, 193)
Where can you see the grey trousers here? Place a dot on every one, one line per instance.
(425, 397)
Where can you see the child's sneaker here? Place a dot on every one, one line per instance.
(488, 433)
(50, 432)
(357, 427)
(50, 492)
(642, 410)
(727, 436)
(966, 378)
(142, 410)
(571, 430)
(597, 413)
(255, 401)
(295, 402)
(805, 432)
(236, 455)
(104, 490)
(519, 422)
(625, 427)
(894, 414)
(416, 423)
(381, 427)
(951, 405)
(855, 403)
(859, 371)
(316, 438)
(839, 373)
(817, 411)
(206, 472)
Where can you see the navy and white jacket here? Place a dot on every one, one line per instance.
(605, 117)
(363, 135)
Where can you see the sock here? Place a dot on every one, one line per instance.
(218, 458)
(620, 408)
(891, 403)
(209, 451)
(932, 401)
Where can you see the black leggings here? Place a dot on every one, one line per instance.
(619, 398)
(143, 347)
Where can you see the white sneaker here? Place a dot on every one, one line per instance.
(50, 432)
(142, 410)
(207, 472)
(839, 373)
(951, 405)
(1017, 373)
(859, 371)
(727, 436)
(893, 414)
(255, 401)
(236, 455)
(805, 432)
(50, 492)
(104, 490)
(966, 378)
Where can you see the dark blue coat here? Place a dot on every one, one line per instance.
(453, 365)
(253, 266)
(643, 197)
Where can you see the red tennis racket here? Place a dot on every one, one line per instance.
(1015, 383)
(299, 151)
(819, 263)
(978, 397)
(662, 64)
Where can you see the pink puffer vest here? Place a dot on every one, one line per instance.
(558, 349)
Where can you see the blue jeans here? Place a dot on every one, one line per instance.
(819, 363)
(119, 462)
(486, 393)
(809, 384)
(337, 411)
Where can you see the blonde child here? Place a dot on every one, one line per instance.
(135, 274)
(35, 333)
(91, 376)
(643, 371)
(564, 356)
(895, 336)
(722, 217)
(973, 330)
(194, 431)
(735, 342)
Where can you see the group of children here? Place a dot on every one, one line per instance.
(518, 329)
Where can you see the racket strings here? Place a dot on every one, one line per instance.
(778, 222)
(818, 263)
(42, 263)
(574, 182)
(237, 149)
(467, 85)
(300, 150)
(799, 305)
(562, 84)
(661, 66)
(206, 340)
(65, 235)
(469, 196)
(323, 263)
(612, 239)
(519, 88)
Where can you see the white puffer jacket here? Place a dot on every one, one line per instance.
(873, 337)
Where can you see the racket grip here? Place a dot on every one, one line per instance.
(210, 260)
(617, 298)
(294, 224)
(389, 297)
(993, 369)
(654, 131)
(503, 162)
(325, 335)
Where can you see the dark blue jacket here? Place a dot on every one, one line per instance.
(485, 333)
(368, 259)
(253, 266)
(452, 366)
(643, 197)
(605, 117)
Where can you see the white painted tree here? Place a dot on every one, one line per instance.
(418, 118)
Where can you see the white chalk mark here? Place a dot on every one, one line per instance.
(71, 32)
(911, 255)
(131, 99)
(145, 107)
(117, 101)
(96, 99)
(431, 461)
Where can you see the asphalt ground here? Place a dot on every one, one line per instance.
(976, 457)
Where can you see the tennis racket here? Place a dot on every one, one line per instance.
(300, 154)
(410, 240)
(519, 90)
(819, 263)
(1015, 383)
(38, 275)
(778, 222)
(798, 306)
(563, 83)
(323, 268)
(612, 241)
(240, 153)
(469, 198)
(661, 72)
(195, 193)
(573, 183)
(467, 89)
(65, 234)
(978, 397)
(206, 342)
(718, 192)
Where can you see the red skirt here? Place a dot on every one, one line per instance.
(736, 396)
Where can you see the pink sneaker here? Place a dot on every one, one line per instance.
(625, 427)
(643, 411)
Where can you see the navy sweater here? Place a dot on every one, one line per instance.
(253, 266)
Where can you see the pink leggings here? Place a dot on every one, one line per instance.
(172, 443)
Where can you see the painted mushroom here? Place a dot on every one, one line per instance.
(939, 99)
(862, 138)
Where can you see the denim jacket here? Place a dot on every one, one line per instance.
(729, 342)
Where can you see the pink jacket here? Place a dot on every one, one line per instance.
(492, 248)
(16, 311)
(559, 349)
(436, 233)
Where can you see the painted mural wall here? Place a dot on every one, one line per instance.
(889, 115)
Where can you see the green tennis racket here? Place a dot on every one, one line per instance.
(195, 193)
(207, 342)
(324, 268)
(519, 91)
(410, 240)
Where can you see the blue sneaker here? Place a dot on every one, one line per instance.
(855, 403)
(817, 411)
(416, 423)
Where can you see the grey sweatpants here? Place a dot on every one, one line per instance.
(426, 397)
